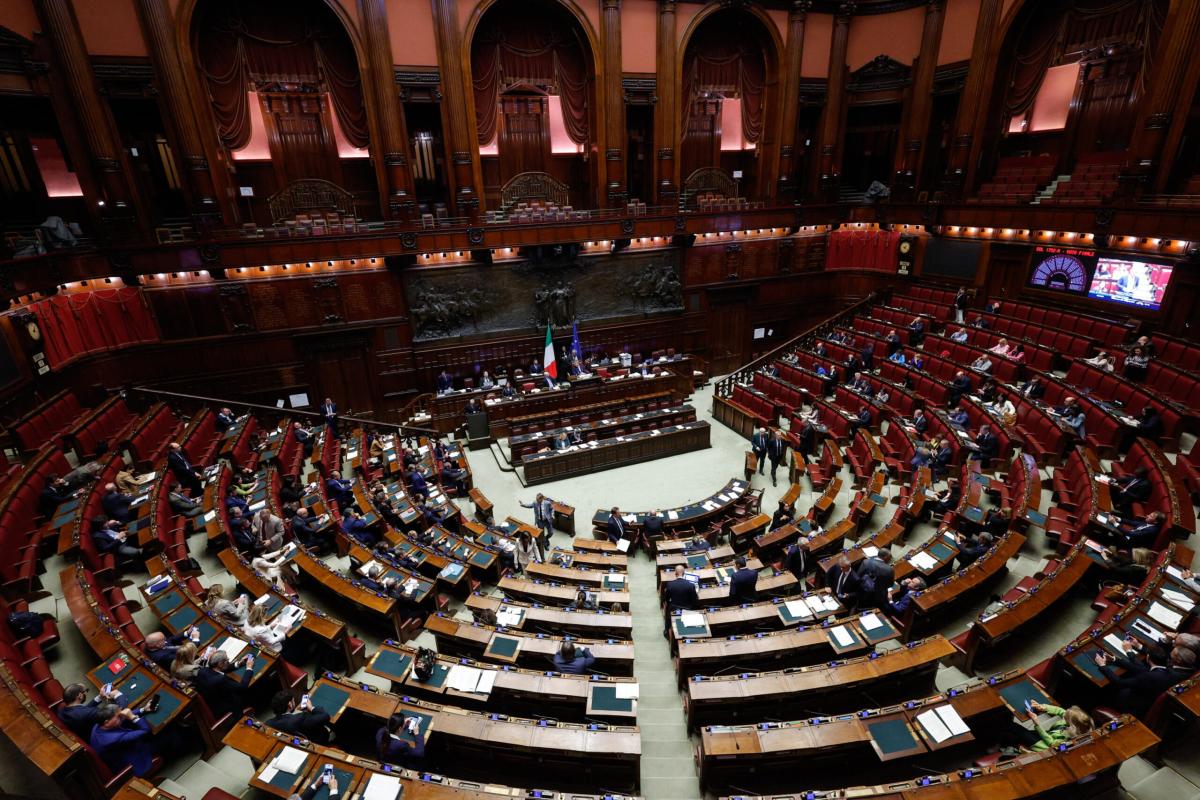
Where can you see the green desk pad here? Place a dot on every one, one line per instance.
(604, 698)
(876, 635)
(436, 680)
(787, 615)
(1017, 693)
(697, 561)
(973, 513)
(1085, 660)
(135, 687)
(105, 672)
(1036, 517)
(167, 705)
(482, 558)
(392, 664)
(260, 663)
(941, 551)
(615, 587)
(331, 698)
(167, 602)
(272, 605)
(182, 618)
(858, 642)
(286, 780)
(689, 630)
(892, 735)
(878, 499)
(503, 646)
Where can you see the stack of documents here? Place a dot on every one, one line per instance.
(942, 723)
(923, 561)
(470, 679)
(289, 760)
(798, 608)
(509, 617)
(1164, 615)
(842, 636)
(691, 619)
(382, 787)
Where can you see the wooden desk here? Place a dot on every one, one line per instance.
(523, 445)
(537, 651)
(557, 594)
(581, 575)
(688, 516)
(753, 617)
(834, 687)
(770, 584)
(536, 618)
(632, 448)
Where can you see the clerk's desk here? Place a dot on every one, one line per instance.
(539, 693)
(836, 686)
(531, 650)
(536, 618)
(762, 755)
(262, 743)
(1087, 767)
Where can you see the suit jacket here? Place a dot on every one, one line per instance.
(117, 506)
(304, 528)
(179, 464)
(781, 517)
(653, 525)
(988, 444)
(1136, 489)
(105, 540)
(164, 655)
(309, 724)
(329, 411)
(1034, 391)
(1141, 685)
(796, 560)
(758, 442)
(776, 448)
(681, 594)
(845, 585)
(224, 422)
(222, 693)
(962, 384)
(883, 575)
(616, 528)
(921, 423)
(127, 745)
(864, 416)
(577, 666)
(80, 719)
(1143, 534)
(742, 586)
(398, 751)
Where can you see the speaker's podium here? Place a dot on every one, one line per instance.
(479, 434)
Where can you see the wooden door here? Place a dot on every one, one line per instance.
(727, 334)
(300, 135)
(524, 135)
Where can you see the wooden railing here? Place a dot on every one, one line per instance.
(724, 387)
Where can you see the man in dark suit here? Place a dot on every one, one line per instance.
(1140, 532)
(784, 515)
(222, 693)
(78, 714)
(305, 528)
(958, 387)
(116, 505)
(961, 300)
(55, 492)
(987, 446)
(110, 538)
(444, 382)
(875, 576)
(240, 530)
(901, 599)
(616, 525)
(796, 560)
(776, 449)
(161, 649)
(652, 528)
(303, 719)
(183, 469)
(304, 438)
(844, 583)
(920, 422)
(1143, 682)
(329, 412)
(121, 739)
(941, 459)
(680, 593)
(893, 343)
(742, 584)
(970, 550)
(916, 331)
(1132, 488)
(338, 490)
(868, 356)
(225, 420)
(1150, 424)
(861, 420)
(571, 661)
(1034, 388)
(758, 446)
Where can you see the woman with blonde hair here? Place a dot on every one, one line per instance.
(259, 632)
(227, 610)
(184, 667)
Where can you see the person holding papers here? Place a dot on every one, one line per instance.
(680, 593)
(393, 748)
(571, 661)
(616, 526)
(299, 719)
(971, 550)
(742, 586)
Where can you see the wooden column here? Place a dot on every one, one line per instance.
(835, 104)
(793, 58)
(912, 143)
(1163, 113)
(666, 112)
(119, 202)
(205, 201)
(392, 146)
(457, 123)
(614, 105)
(972, 104)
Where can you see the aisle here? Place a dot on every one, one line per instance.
(668, 770)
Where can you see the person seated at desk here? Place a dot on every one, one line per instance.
(851, 366)
(244, 482)
(310, 793)
(110, 538)
(988, 391)
(230, 612)
(843, 582)
(224, 420)
(485, 381)
(971, 549)
(981, 323)
(916, 332)
(1069, 723)
(161, 649)
(508, 392)
(560, 442)
(917, 362)
(1034, 388)
(680, 593)
(338, 490)
(821, 350)
(1103, 361)
(987, 446)
(354, 526)
(121, 738)
(861, 420)
(961, 385)
(223, 694)
(116, 505)
(997, 520)
(373, 580)
(535, 367)
(267, 530)
(454, 477)
(1149, 423)
(1139, 532)
(301, 719)
(921, 458)
(1005, 410)
(960, 336)
(920, 422)
(1073, 416)
(274, 566)
(884, 395)
(943, 454)
(959, 418)
(742, 586)
(473, 406)
(875, 576)
(570, 660)
(240, 529)
(56, 492)
(126, 480)
(1017, 353)
(943, 501)
(893, 343)
(1144, 681)
(862, 386)
(78, 714)
(184, 506)
(784, 515)
(898, 358)
(444, 382)
(982, 364)
(1000, 348)
(1136, 364)
(392, 748)
(1132, 488)
(796, 560)
(584, 600)
(1128, 568)
(900, 598)
(304, 438)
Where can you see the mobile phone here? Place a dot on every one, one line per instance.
(327, 773)
(304, 700)
(107, 688)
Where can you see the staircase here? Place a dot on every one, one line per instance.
(848, 194)
(1050, 188)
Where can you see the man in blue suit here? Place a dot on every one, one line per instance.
(742, 585)
(758, 446)
(122, 739)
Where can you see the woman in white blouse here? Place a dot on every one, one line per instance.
(259, 632)
(271, 566)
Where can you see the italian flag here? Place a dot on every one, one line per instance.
(548, 363)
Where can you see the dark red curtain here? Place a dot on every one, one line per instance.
(1052, 33)
(544, 50)
(875, 250)
(77, 324)
(725, 57)
(244, 45)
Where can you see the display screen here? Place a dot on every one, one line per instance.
(1136, 283)
(1064, 269)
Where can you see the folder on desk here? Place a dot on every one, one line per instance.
(691, 619)
(289, 760)
(382, 787)
(934, 726)
(1165, 616)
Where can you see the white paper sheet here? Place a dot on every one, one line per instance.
(672, 515)
(630, 518)
(627, 691)
(616, 578)
(382, 787)
(1175, 572)
(1178, 599)
(798, 608)
(692, 620)
(827, 602)
(623, 545)
(290, 760)
(1164, 615)
(487, 679)
(841, 636)
(870, 622)
(952, 720)
(922, 561)
(268, 774)
(934, 726)
(509, 617)
(1114, 643)
(233, 647)
(463, 678)
(870, 551)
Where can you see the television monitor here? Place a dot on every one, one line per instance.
(1063, 269)
(298, 400)
(1129, 281)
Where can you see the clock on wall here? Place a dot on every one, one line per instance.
(904, 262)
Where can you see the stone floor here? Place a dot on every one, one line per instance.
(668, 769)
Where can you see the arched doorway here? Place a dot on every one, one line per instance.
(533, 78)
(727, 99)
(287, 97)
